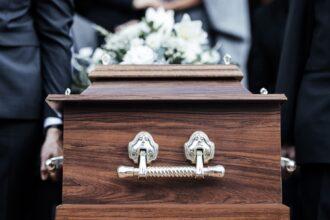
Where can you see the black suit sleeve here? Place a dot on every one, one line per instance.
(293, 60)
(122, 4)
(53, 20)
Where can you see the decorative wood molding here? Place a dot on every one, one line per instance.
(250, 98)
(112, 72)
(161, 211)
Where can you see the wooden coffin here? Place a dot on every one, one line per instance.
(171, 103)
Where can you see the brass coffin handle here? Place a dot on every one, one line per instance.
(198, 150)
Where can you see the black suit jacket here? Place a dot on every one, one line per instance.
(293, 60)
(35, 56)
(304, 76)
(107, 13)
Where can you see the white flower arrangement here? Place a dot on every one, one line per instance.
(156, 39)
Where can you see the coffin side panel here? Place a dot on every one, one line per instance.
(219, 212)
(247, 138)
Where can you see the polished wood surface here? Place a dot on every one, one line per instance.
(229, 98)
(159, 82)
(166, 89)
(171, 102)
(247, 138)
(178, 212)
(165, 71)
(116, 83)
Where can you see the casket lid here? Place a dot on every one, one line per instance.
(111, 72)
(166, 83)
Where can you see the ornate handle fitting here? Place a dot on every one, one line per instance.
(54, 163)
(143, 142)
(288, 164)
(143, 149)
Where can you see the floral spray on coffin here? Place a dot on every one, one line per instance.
(156, 39)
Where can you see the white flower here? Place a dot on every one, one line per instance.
(97, 56)
(133, 30)
(210, 57)
(191, 52)
(85, 52)
(136, 42)
(116, 42)
(160, 19)
(154, 41)
(189, 30)
(139, 55)
(175, 43)
(122, 39)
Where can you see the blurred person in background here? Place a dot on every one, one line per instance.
(111, 13)
(304, 76)
(268, 27)
(195, 9)
(35, 61)
(227, 22)
(230, 25)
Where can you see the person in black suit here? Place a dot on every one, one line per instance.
(34, 62)
(304, 76)
(111, 13)
(268, 27)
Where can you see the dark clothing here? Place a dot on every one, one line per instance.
(296, 48)
(20, 143)
(306, 115)
(35, 60)
(23, 196)
(107, 13)
(268, 26)
(312, 123)
(290, 195)
(319, 56)
(49, 196)
(314, 204)
(20, 82)
(34, 55)
(304, 76)
(16, 24)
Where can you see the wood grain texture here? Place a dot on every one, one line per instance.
(158, 211)
(165, 87)
(233, 98)
(110, 72)
(159, 82)
(166, 83)
(247, 138)
(171, 102)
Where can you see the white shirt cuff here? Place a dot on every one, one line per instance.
(49, 121)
